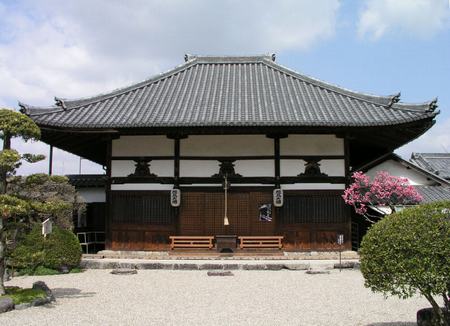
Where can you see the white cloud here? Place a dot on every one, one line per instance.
(421, 18)
(437, 139)
(81, 48)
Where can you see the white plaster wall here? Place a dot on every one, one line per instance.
(141, 186)
(143, 146)
(226, 145)
(334, 168)
(205, 168)
(312, 145)
(162, 168)
(313, 186)
(255, 168)
(92, 195)
(399, 170)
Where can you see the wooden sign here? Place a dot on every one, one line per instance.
(278, 197)
(340, 239)
(265, 213)
(175, 197)
(46, 227)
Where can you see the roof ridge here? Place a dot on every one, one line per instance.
(430, 153)
(388, 101)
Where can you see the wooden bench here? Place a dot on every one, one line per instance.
(181, 241)
(261, 242)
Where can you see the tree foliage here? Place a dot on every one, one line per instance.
(12, 124)
(409, 252)
(9, 161)
(15, 124)
(11, 206)
(49, 197)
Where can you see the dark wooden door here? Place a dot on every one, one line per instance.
(311, 220)
(202, 213)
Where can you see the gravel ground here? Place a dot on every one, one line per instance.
(157, 297)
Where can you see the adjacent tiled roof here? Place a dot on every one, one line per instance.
(230, 91)
(433, 193)
(87, 180)
(437, 163)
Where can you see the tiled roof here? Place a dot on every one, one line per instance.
(437, 163)
(230, 91)
(433, 193)
(87, 180)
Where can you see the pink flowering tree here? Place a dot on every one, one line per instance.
(383, 190)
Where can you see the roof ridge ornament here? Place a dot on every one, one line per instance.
(60, 102)
(433, 105)
(24, 108)
(394, 99)
(273, 57)
(188, 57)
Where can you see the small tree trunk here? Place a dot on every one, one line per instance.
(2, 257)
(6, 145)
(438, 313)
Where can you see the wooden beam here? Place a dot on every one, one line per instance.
(232, 180)
(232, 158)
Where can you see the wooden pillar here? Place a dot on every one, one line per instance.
(347, 159)
(50, 161)
(276, 142)
(176, 163)
(348, 240)
(108, 215)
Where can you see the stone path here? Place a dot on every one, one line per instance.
(193, 264)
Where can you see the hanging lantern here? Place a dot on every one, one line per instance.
(175, 197)
(278, 197)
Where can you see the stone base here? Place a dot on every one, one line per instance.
(425, 317)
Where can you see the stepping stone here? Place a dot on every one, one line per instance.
(317, 271)
(123, 271)
(225, 273)
(6, 304)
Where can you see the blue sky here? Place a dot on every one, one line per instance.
(49, 48)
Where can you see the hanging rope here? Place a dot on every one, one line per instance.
(225, 219)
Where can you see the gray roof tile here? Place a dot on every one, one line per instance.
(437, 163)
(433, 193)
(231, 91)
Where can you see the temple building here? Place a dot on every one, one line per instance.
(230, 146)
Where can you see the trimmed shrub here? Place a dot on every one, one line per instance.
(60, 249)
(63, 250)
(409, 252)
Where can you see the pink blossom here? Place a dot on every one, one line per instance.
(384, 189)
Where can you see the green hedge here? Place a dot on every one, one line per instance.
(60, 248)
